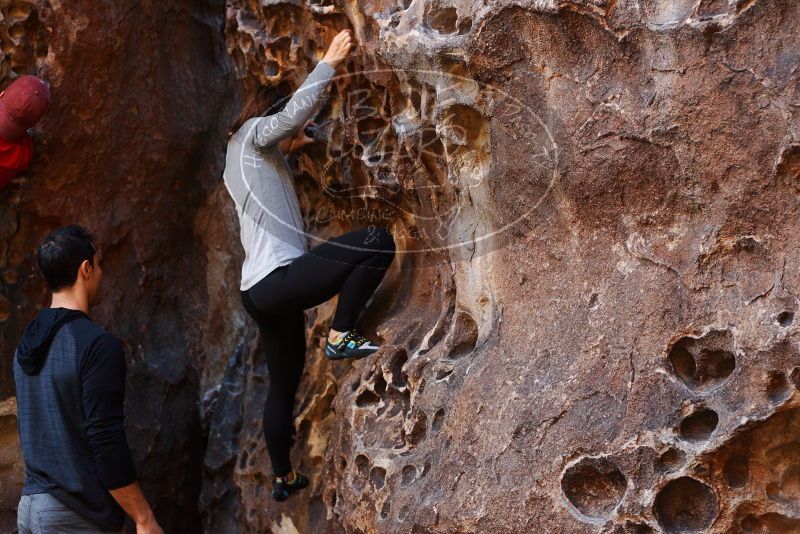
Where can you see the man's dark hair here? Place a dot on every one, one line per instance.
(61, 253)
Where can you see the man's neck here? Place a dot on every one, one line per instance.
(70, 301)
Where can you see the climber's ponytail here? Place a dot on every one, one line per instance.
(259, 101)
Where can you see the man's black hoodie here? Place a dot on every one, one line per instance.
(38, 335)
(70, 379)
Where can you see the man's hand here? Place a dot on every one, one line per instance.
(149, 526)
(339, 48)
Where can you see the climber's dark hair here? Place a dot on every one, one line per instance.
(61, 254)
(262, 100)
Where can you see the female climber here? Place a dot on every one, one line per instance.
(280, 277)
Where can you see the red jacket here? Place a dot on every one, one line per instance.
(15, 157)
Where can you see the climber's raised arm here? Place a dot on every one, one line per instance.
(286, 123)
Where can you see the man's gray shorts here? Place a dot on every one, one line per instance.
(44, 514)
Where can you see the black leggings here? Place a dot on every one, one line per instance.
(351, 265)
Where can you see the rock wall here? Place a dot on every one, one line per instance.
(591, 323)
(592, 326)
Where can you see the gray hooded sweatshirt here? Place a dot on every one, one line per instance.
(260, 182)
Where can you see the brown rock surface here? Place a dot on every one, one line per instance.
(618, 360)
(592, 327)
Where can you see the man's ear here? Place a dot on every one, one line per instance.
(86, 268)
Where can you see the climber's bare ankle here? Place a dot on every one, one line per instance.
(334, 335)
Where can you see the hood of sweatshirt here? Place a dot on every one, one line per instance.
(35, 342)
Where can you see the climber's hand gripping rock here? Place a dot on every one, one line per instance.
(339, 48)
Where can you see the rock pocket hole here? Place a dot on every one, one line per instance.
(711, 8)
(438, 420)
(699, 366)
(736, 471)
(17, 31)
(403, 513)
(371, 397)
(683, 364)
(385, 509)
(399, 377)
(409, 475)
(464, 336)
(370, 129)
(699, 425)
(416, 100)
(418, 430)
(380, 386)
(377, 477)
(716, 366)
(367, 398)
(685, 505)
(777, 387)
(595, 487)
(464, 25)
(272, 68)
(19, 11)
(443, 370)
(670, 460)
(443, 20)
(361, 470)
(785, 318)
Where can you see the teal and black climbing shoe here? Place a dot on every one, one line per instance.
(282, 488)
(350, 344)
